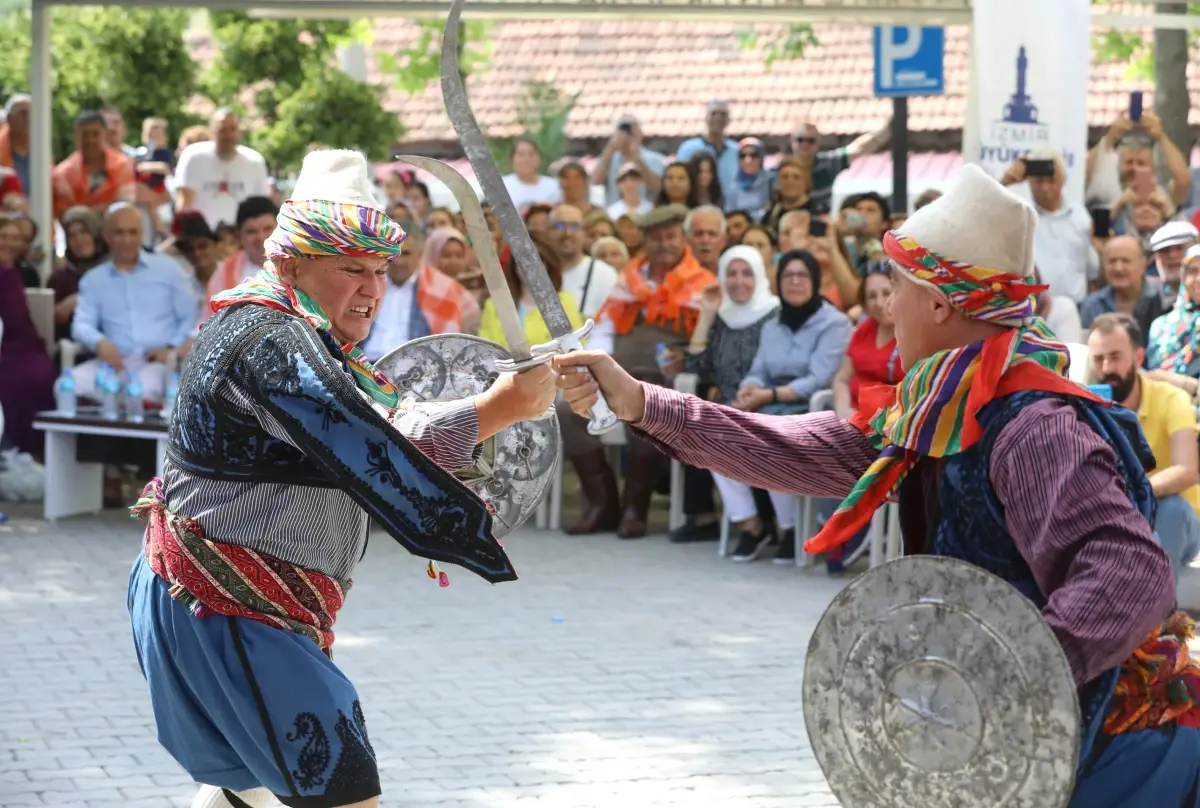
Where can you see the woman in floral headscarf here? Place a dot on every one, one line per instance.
(1173, 348)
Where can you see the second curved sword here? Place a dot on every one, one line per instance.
(529, 263)
(493, 273)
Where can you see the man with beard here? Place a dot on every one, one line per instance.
(1116, 350)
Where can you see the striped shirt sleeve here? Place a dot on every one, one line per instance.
(816, 455)
(1107, 580)
(446, 431)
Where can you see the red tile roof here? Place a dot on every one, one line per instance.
(664, 72)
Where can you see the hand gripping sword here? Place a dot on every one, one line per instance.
(523, 357)
(529, 264)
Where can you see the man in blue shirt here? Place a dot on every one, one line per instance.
(723, 149)
(134, 310)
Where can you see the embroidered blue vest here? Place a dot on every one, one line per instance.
(971, 519)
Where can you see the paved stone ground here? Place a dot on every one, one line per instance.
(613, 675)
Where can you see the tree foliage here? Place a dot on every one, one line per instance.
(1130, 48)
(329, 108)
(542, 115)
(789, 42)
(135, 59)
(299, 96)
(417, 67)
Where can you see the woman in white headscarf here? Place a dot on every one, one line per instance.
(722, 348)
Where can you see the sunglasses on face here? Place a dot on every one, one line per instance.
(804, 140)
(748, 155)
(879, 268)
(570, 226)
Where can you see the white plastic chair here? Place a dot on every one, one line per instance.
(41, 310)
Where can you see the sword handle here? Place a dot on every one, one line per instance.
(603, 419)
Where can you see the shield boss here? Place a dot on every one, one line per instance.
(515, 466)
(930, 682)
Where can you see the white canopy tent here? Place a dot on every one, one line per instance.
(848, 12)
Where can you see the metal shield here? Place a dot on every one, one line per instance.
(516, 466)
(930, 682)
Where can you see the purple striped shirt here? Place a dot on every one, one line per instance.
(1107, 582)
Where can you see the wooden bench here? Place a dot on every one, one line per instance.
(72, 487)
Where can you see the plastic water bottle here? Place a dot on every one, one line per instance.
(108, 386)
(663, 355)
(169, 397)
(135, 406)
(64, 394)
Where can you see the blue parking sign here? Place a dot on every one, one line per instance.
(908, 60)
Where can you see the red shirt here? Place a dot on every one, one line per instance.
(873, 364)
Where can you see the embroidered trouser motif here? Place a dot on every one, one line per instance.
(242, 705)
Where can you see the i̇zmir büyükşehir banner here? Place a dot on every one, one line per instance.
(1031, 68)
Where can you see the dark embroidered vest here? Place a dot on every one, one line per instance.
(213, 441)
(967, 521)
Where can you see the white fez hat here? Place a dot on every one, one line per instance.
(335, 175)
(978, 222)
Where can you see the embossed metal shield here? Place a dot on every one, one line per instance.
(516, 466)
(930, 682)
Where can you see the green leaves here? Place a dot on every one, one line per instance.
(328, 108)
(790, 42)
(417, 67)
(300, 97)
(132, 58)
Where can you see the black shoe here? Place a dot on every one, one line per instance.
(690, 532)
(751, 546)
(786, 554)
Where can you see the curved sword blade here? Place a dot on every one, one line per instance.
(481, 240)
(529, 264)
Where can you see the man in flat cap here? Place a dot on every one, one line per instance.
(655, 302)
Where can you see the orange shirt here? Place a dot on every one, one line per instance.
(72, 186)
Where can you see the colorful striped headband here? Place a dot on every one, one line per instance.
(312, 228)
(979, 292)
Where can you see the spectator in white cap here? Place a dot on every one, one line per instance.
(625, 146)
(723, 149)
(1168, 244)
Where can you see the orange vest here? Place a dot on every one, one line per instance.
(672, 304)
(71, 182)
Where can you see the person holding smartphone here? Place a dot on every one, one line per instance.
(1067, 258)
(625, 146)
(1130, 143)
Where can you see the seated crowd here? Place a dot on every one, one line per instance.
(711, 265)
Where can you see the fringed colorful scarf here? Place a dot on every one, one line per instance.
(215, 578)
(266, 289)
(932, 412)
(314, 227)
(1159, 684)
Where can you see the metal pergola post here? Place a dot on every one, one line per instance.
(41, 131)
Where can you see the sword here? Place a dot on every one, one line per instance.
(529, 264)
(523, 357)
